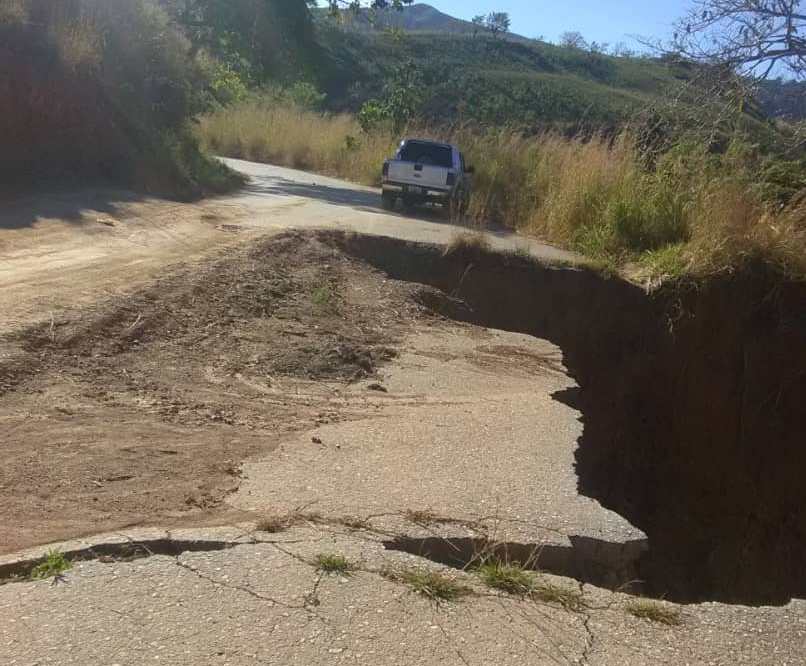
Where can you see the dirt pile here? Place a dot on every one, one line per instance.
(692, 400)
(142, 408)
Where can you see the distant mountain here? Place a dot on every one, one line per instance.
(783, 99)
(415, 18)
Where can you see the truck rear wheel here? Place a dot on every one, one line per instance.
(388, 201)
(457, 208)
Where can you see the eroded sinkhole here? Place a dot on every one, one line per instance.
(693, 400)
(614, 566)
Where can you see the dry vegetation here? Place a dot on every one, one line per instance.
(300, 139)
(654, 611)
(690, 214)
(101, 89)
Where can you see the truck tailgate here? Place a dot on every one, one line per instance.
(423, 175)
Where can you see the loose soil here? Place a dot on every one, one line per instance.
(141, 409)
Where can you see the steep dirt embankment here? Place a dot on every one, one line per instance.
(694, 404)
(55, 121)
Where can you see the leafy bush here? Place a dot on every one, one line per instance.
(305, 95)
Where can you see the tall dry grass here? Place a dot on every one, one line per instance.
(297, 138)
(589, 194)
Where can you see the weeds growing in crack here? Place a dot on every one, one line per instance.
(468, 242)
(511, 578)
(422, 516)
(655, 611)
(430, 584)
(54, 565)
(332, 563)
(569, 598)
(273, 524)
(354, 522)
(279, 523)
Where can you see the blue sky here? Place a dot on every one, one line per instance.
(598, 20)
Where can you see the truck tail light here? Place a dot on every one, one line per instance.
(451, 179)
(385, 169)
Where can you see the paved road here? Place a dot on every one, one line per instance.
(287, 198)
(469, 434)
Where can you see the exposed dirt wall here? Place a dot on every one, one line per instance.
(53, 122)
(693, 400)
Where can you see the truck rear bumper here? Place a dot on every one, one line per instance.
(416, 192)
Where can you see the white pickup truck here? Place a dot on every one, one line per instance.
(427, 172)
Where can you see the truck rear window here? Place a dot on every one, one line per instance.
(426, 153)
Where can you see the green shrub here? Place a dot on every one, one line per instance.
(54, 564)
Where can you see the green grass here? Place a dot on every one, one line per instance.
(54, 564)
(514, 578)
(511, 578)
(481, 80)
(654, 611)
(322, 296)
(430, 584)
(333, 563)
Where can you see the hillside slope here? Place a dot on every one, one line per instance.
(522, 83)
(469, 75)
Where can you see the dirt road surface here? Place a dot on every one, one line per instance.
(198, 402)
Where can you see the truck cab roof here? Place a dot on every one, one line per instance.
(426, 141)
(421, 151)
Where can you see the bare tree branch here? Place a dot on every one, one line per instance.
(756, 38)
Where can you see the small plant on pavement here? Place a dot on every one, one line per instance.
(430, 584)
(331, 563)
(511, 578)
(655, 611)
(280, 522)
(469, 242)
(421, 516)
(54, 564)
(273, 524)
(568, 597)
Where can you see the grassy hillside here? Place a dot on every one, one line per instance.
(529, 84)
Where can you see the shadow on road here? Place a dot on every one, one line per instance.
(19, 212)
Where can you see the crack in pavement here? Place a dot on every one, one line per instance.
(238, 588)
(590, 637)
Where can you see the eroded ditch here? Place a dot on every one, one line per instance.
(693, 402)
